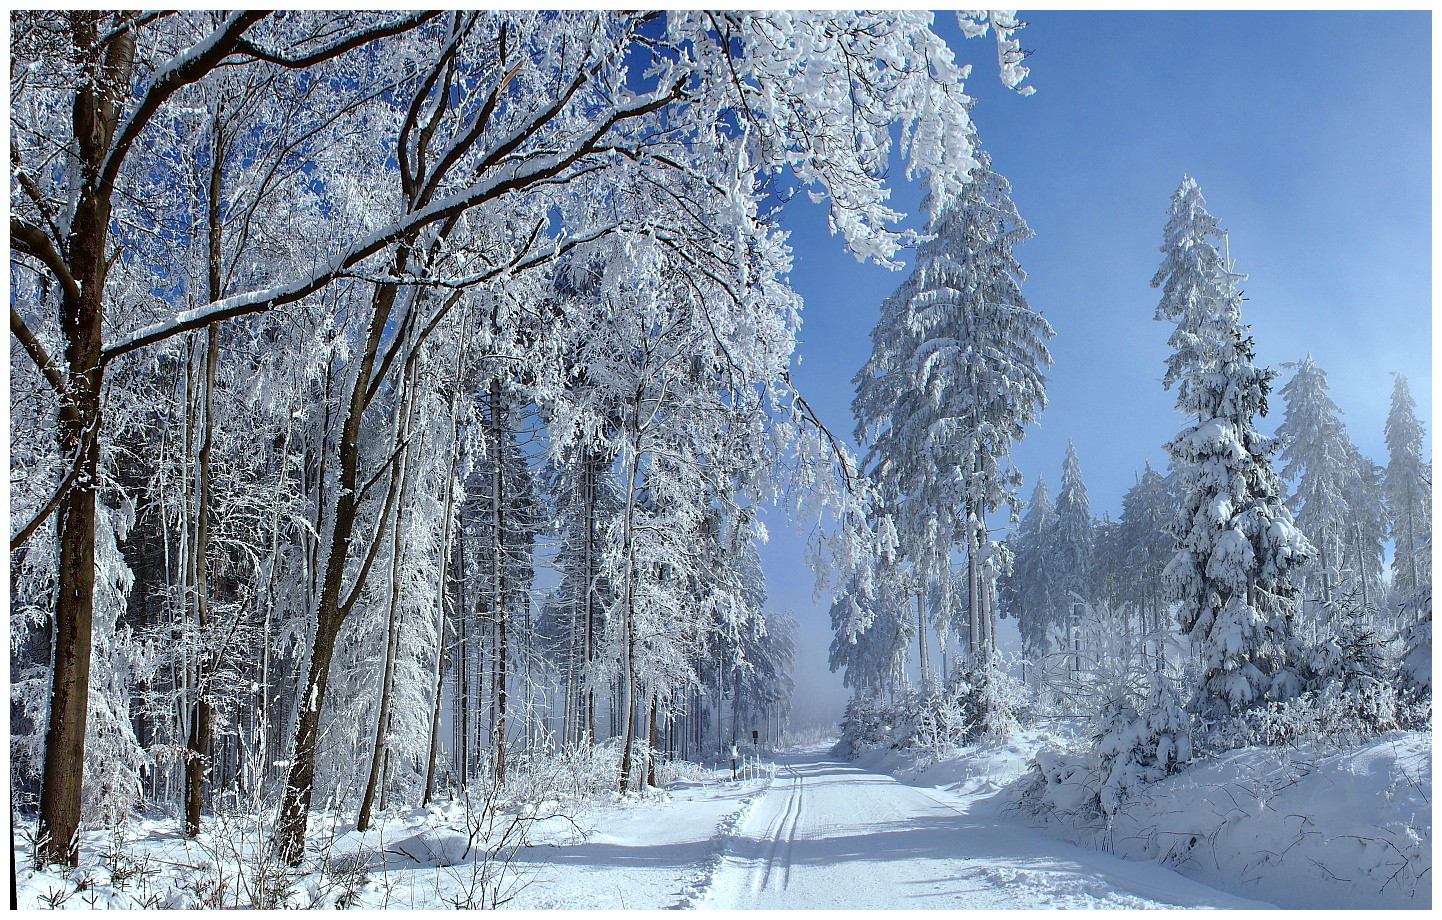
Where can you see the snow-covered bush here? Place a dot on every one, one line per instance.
(1338, 714)
(865, 725)
(1137, 740)
(1063, 784)
(975, 703)
(1141, 745)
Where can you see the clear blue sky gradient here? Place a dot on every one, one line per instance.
(1310, 135)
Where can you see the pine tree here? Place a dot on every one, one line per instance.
(1029, 593)
(1236, 543)
(1073, 544)
(1335, 502)
(954, 376)
(1408, 488)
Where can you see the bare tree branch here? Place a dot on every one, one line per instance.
(42, 359)
(32, 241)
(488, 189)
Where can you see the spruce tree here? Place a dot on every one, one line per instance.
(1236, 543)
(1029, 592)
(1335, 502)
(954, 376)
(1408, 487)
(1146, 546)
(1073, 545)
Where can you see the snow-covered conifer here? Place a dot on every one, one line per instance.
(1232, 575)
(1030, 592)
(1141, 742)
(1073, 545)
(1335, 502)
(955, 376)
(1145, 548)
(1409, 493)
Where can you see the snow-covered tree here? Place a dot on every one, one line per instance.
(1074, 546)
(1334, 502)
(1408, 489)
(1140, 741)
(1030, 593)
(1145, 546)
(954, 377)
(1237, 547)
(871, 635)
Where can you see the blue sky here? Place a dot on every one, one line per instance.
(1310, 135)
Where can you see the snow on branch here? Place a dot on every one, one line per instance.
(1009, 53)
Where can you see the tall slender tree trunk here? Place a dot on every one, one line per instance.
(975, 639)
(628, 611)
(497, 425)
(198, 757)
(589, 474)
(383, 713)
(453, 509)
(95, 116)
(921, 630)
(428, 789)
(197, 761)
(295, 800)
(651, 741)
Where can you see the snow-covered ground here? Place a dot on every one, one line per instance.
(833, 834)
(1313, 826)
(886, 831)
(649, 852)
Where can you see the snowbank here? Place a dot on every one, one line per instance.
(1310, 826)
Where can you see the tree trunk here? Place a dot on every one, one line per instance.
(197, 761)
(496, 425)
(589, 475)
(383, 714)
(975, 639)
(628, 611)
(295, 801)
(921, 630)
(651, 742)
(95, 117)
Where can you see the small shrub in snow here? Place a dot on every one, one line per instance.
(1141, 745)
(1138, 741)
(1063, 784)
(975, 703)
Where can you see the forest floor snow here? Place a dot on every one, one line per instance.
(1315, 825)
(886, 831)
(643, 852)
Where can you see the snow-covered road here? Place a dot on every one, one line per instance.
(828, 833)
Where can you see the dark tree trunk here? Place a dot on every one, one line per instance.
(295, 801)
(651, 742)
(383, 714)
(81, 323)
(197, 761)
(499, 561)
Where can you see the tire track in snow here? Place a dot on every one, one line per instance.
(800, 787)
(777, 833)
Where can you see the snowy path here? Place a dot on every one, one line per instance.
(643, 855)
(831, 834)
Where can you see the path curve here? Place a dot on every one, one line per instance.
(831, 834)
